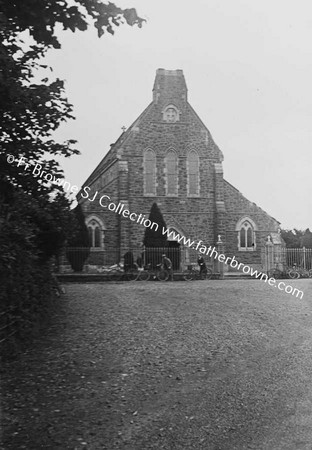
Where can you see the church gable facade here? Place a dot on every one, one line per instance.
(168, 157)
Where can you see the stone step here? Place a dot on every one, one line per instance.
(237, 275)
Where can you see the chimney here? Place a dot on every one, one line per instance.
(170, 87)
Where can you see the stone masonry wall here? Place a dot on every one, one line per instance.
(110, 219)
(238, 207)
(193, 216)
(120, 175)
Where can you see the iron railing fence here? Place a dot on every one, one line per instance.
(301, 257)
(80, 259)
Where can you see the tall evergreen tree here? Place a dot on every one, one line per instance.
(155, 238)
(78, 248)
(80, 236)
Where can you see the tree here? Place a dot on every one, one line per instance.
(152, 237)
(306, 240)
(29, 236)
(41, 17)
(291, 238)
(297, 238)
(35, 216)
(80, 236)
(78, 245)
(31, 111)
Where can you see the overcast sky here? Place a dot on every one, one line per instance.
(248, 68)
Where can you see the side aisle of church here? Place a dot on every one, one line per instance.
(168, 157)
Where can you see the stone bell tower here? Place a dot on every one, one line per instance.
(170, 87)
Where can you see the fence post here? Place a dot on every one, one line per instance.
(304, 257)
(220, 265)
(269, 255)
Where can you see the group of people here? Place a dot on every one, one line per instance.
(166, 262)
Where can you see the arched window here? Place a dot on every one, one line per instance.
(246, 235)
(171, 173)
(149, 172)
(171, 114)
(193, 173)
(96, 232)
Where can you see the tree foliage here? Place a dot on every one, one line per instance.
(80, 237)
(40, 17)
(297, 238)
(31, 111)
(35, 216)
(78, 245)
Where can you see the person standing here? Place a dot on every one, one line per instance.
(202, 265)
(128, 261)
(167, 265)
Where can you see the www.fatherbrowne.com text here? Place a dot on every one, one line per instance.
(104, 201)
(210, 251)
(232, 262)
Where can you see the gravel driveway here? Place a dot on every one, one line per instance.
(151, 365)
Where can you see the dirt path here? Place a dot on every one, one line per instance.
(202, 365)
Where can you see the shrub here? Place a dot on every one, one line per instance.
(77, 257)
(78, 248)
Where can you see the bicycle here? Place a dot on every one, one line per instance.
(277, 273)
(160, 274)
(131, 274)
(300, 272)
(192, 273)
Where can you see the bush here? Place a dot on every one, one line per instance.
(77, 256)
(26, 295)
(78, 248)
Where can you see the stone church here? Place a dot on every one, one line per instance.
(168, 156)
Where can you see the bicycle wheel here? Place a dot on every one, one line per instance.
(287, 273)
(162, 275)
(310, 273)
(144, 275)
(275, 273)
(206, 275)
(131, 275)
(293, 274)
(188, 275)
